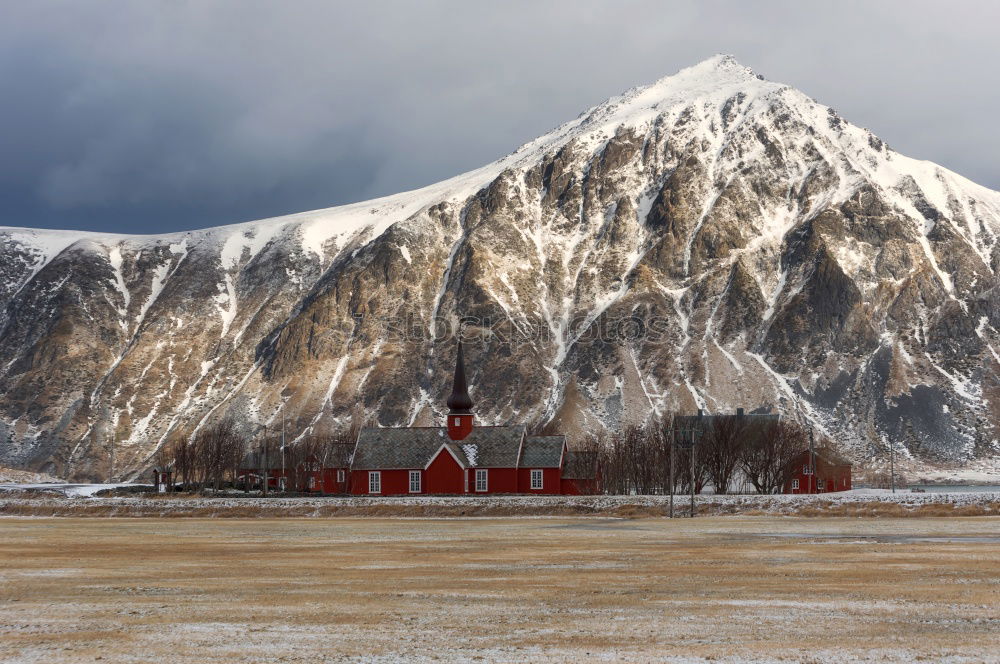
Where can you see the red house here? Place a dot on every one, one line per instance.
(829, 473)
(462, 458)
(328, 475)
(314, 476)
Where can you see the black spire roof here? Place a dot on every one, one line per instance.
(459, 403)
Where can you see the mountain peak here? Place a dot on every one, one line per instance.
(684, 202)
(711, 82)
(720, 62)
(720, 70)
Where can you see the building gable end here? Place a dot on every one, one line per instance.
(450, 451)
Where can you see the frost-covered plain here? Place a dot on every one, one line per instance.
(861, 502)
(500, 590)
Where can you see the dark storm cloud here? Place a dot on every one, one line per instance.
(153, 116)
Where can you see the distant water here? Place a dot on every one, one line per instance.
(953, 488)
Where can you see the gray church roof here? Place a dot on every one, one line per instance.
(414, 447)
(542, 451)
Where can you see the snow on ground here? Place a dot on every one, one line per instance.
(232, 504)
(65, 489)
(979, 471)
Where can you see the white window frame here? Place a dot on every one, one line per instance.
(482, 480)
(374, 481)
(795, 484)
(415, 475)
(457, 421)
(340, 474)
(312, 483)
(807, 469)
(536, 473)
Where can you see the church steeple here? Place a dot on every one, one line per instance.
(459, 403)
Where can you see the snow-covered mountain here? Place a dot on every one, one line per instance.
(711, 240)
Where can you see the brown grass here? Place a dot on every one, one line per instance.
(560, 589)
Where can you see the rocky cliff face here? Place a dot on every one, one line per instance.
(712, 240)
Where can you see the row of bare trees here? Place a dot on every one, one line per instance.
(637, 460)
(210, 458)
(215, 455)
(312, 453)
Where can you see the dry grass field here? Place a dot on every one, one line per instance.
(500, 590)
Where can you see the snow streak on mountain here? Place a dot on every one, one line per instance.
(712, 240)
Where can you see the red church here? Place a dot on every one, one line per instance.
(462, 458)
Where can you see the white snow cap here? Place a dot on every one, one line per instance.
(708, 85)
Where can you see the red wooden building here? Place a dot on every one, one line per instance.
(314, 476)
(257, 465)
(462, 458)
(580, 473)
(311, 475)
(819, 471)
(163, 479)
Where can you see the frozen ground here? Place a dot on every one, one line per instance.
(761, 589)
(979, 471)
(63, 488)
(862, 502)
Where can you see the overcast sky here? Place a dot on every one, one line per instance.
(152, 116)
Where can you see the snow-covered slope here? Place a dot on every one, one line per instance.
(712, 240)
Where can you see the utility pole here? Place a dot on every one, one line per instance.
(111, 471)
(692, 476)
(283, 475)
(263, 465)
(694, 434)
(673, 443)
(812, 461)
(892, 466)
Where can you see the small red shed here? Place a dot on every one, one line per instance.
(163, 480)
(580, 473)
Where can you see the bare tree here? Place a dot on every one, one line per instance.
(299, 457)
(769, 451)
(720, 449)
(636, 459)
(216, 452)
(182, 454)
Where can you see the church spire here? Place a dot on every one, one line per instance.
(459, 403)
